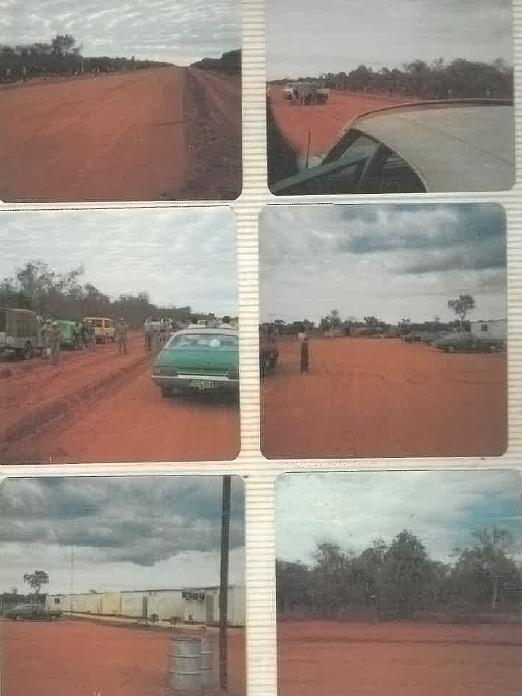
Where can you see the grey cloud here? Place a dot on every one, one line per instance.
(402, 228)
(172, 30)
(341, 34)
(138, 519)
(180, 256)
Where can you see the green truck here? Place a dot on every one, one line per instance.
(69, 334)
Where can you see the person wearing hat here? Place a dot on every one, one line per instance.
(121, 336)
(55, 337)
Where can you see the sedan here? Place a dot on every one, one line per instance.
(466, 341)
(198, 359)
(450, 146)
(35, 612)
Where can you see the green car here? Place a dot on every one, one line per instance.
(468, 342)
(198, 359)
(69, 336)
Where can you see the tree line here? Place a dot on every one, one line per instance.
(461, 306)
(418, 79)
(50, 294)
(61, 56)
(399, 580)
(229, 63)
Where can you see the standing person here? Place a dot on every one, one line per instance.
(46, 338)
(77, 335)
(84, 335)
(121, 336)
(305, 355)
(148, 329)
(55, 336)
(304, 349)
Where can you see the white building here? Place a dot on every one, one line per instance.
(493, 328)
(200, 606)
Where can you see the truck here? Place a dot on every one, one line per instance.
(104, 329)
(20, 332)
(69, 334)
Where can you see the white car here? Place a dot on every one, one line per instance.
(451, 146)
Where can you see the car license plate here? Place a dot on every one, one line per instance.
(202, 384)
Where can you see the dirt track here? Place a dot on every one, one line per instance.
(384, 398)
(398, 659)
(80, 658)
(98, 406)
(324, 122)
(133, 136)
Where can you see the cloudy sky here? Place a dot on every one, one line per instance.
(305, 37)
(127, 533)
(352, 509)
(180, 256)
(393, 262)
(176, 31)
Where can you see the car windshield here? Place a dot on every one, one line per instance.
(202, 340)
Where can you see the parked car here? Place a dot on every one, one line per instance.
(448, 146)
(466, 341)
(32, 612)
(20, 332)
(104, 329)
(198, 359)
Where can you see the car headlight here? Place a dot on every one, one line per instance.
(9, 340)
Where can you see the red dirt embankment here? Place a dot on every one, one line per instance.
(398, 659)
(98, 406)
(130, 136)
(70, 658)
(324, 122)
(384, 398)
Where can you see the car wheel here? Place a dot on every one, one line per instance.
(166, 392)
(27, 352)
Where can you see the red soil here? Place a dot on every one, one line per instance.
(80, 658)
(399, 659)
(98, 406)
(384, 398)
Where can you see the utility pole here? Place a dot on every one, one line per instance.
(223, 584)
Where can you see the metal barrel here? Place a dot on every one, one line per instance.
(184, 665)
(209, 671)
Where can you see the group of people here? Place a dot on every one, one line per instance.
(84, 337)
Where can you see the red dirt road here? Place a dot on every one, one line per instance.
(109, 138)
(325, 121)
(384, 398)
(80, 658)
(98, 406)
(398, 659)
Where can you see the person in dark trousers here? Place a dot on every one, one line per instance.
(305, 355)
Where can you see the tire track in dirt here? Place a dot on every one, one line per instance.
(64, 409)
(213, 116)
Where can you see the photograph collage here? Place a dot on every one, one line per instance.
(260, 348)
